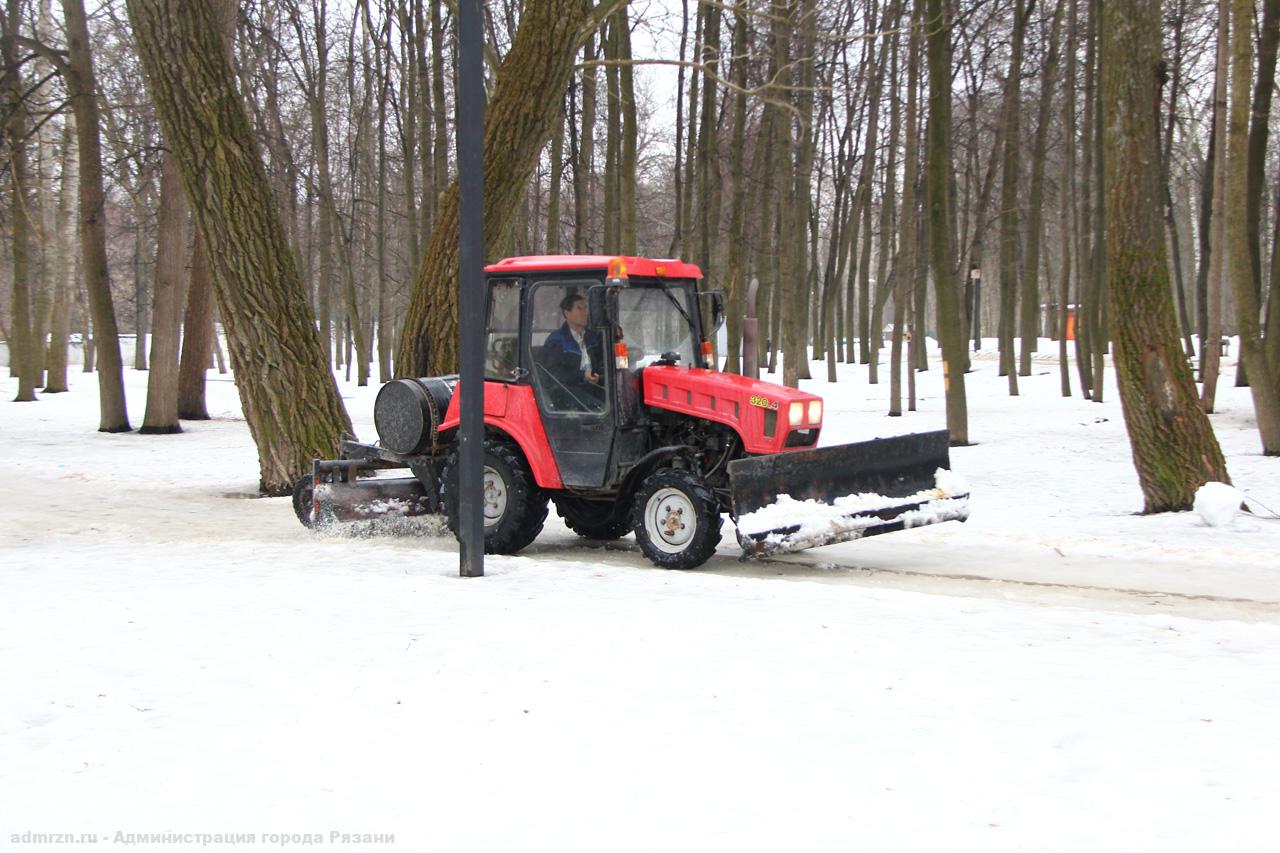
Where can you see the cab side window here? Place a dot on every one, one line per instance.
(502, 330)
(567, 356)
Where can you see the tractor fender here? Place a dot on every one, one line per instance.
(512, 411)
(651, 460)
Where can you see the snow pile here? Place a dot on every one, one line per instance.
(1218, 504)
(813, 515)
(950, 484)
(815, 518)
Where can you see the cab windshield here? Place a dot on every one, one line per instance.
(655, 321)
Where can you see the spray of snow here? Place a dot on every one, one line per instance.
(1218, 504)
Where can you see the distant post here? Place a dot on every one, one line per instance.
(470, 121)
(975, 305)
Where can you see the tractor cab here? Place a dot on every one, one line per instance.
(580, 331)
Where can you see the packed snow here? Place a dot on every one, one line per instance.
(178, 658)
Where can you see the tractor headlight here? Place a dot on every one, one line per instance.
(815, 412)
(796, 414)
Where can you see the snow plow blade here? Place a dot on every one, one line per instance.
(792, 501)
(338, 496)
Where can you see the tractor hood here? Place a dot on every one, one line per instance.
(769, 418)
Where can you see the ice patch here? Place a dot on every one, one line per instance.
(1218, 504)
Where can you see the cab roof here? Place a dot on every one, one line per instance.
(644, 267)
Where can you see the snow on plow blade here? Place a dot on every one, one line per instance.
(793, 501)
(338, 496)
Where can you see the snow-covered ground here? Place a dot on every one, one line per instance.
(179, 659)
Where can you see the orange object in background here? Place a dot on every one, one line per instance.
(1071, 323)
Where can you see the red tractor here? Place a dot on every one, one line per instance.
(601, 395)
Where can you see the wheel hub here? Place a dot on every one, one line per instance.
(495, 497)
(671, 519)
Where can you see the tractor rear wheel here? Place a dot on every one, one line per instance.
(514, 507)
(676, 519)
(603, 520)
(302, 505)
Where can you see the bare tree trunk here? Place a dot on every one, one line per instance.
(140, 323)
(1263, 382)
(613, 144)
(83, 89)
(1264, 83)
(888, 201)
(1010, 214)
(1099, 335)
(22, 344)
(865, 193)
(627, 148)
(1030, 318)
(197, 337)
(799, 271)
(708, 154)
(1211, 345)
(677, 175)
(439, 115)
(1174, 449)
(1166, 178)
(1066, 190)
(941, 231)
(64, 268)
(1085, 261)
(289, 397)
(735, 278)
(906, 271)
(161, 415)
(554, 186)
(789, 292)
(583, 164)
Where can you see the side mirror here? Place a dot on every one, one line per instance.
(717, 309)
(601, 302)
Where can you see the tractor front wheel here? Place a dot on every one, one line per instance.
(676, 519)
(514, 507)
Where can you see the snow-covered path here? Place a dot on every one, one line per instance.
(177, 658)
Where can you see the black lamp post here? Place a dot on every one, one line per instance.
(470, 123)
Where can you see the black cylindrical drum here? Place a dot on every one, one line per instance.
(408, 412)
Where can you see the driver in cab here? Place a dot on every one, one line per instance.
(574, 355)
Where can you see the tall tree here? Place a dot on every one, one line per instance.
(1259, 128)
(1210, 343)
(907, 245)
(289, 397)
(1174, 449)
(940, 223)
(1010, 214)
(1029, 320)
(1264, 383)
(518, 122)
(82, 90)
(161, 415)
(23, 347)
